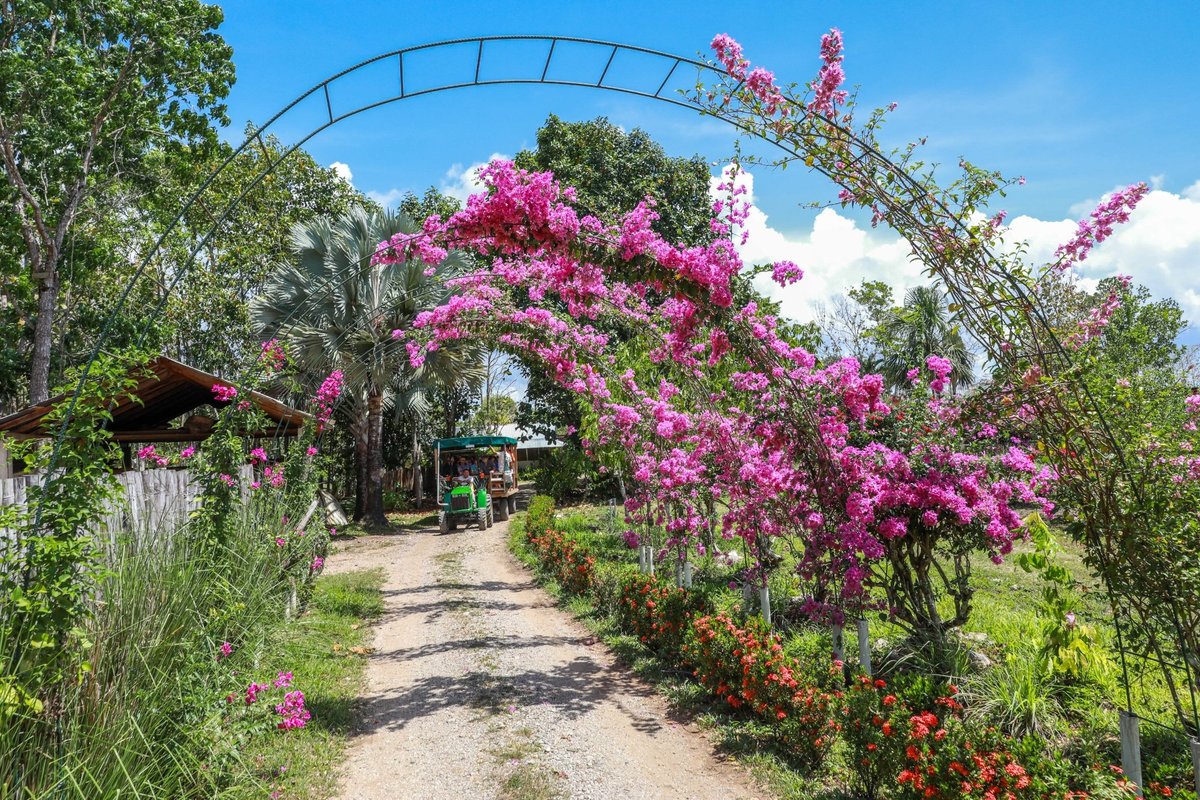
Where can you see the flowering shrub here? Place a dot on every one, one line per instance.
(657, 613)
(874, 726)
(747, 668)
(947, 758)
(540, 517)
(571, 563)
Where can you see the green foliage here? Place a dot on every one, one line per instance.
(1018, 696)
(493, 414)
(335, 310)
(1069, 648)
(922, 327)
(86, 92)
(567, 473)
(48, 580)
(146, 719)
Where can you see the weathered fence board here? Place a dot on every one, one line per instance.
(154, 502)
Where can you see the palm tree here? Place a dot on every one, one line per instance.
(920, 328)
(337, 311)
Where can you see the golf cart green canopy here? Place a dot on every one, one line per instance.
(471, 442)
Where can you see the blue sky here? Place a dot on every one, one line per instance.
(1078, 97)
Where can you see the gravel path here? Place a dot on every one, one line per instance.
(479, 687)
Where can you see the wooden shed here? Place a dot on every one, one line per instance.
(166, 391)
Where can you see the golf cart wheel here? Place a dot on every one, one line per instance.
(483, 518)
(511, 500)
(502, 509)
(443, 523)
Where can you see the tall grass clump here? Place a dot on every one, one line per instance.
(144, 717)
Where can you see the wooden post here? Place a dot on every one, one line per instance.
(1131, 749)
(687, 574)
(6, 465)
(764, 603)
(864, 647)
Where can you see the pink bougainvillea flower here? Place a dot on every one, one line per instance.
(223, 392)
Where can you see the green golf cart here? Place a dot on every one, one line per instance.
(477, 480)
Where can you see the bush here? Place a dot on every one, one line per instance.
(747, 668)
(539, 518)
(567, 472)
(875, 729)
(947, 757)
(658, 613)
(563, 556)
(1018, 696)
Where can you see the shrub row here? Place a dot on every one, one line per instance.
(910, 740)
(570, 562)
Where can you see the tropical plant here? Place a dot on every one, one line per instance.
(923, 327)
(337, 311)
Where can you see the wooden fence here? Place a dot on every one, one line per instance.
(154, 502)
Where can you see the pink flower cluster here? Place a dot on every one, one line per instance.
(785, 273)
(148, 453)
(327, 396)
(273, 357)
(292, 711)
(223, 393)
(828, 94)
(759, 81)
(1192, 403)
(1097, 320)
(941, 369)
(1091, 232)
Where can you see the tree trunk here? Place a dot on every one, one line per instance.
(360, 432)
(375, 515)
(43, 333)
(418, 486)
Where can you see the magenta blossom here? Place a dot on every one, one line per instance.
(223, 392)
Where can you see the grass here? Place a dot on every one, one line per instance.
(324, 649)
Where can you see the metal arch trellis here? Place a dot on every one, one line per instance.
(608, 52)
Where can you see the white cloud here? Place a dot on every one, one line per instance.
(835, 254)
(386, 199)
(463, 182)
(1159, 247)
(343, 171)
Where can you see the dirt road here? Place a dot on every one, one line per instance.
(479, 687)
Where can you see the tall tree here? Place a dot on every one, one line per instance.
(338, 311)
(612, 171)
(86, 88)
